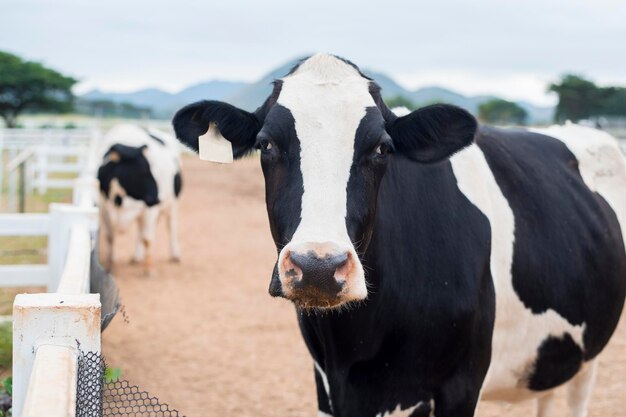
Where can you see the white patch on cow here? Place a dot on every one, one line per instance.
(518, 332)
(323, 414)
(322, 374)
(406, 412)
(601, 163)
(327, 99)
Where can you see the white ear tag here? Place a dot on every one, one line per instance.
(212, 146)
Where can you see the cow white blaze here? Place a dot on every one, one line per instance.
(327, 99)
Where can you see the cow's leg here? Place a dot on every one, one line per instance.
(323, 400)
(172, 221)
(544, 405)
(458, 396)
(148, 232)
(579, 390)
(139, 254)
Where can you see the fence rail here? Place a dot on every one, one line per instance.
(48, 158)
(50, 327)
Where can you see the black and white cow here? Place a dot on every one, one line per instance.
(139, 180)
(432, 261)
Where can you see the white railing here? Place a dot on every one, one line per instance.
(49, 157)
(48, 328)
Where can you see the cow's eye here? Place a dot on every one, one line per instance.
(265, 145)
(383, 149)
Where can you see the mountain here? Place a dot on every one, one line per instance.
(212, 90)
(253, 95)
(249, 96)
(165, 104)
(145, 98)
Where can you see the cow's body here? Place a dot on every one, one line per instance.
(140, 189)
(497, 271)
(514, 201)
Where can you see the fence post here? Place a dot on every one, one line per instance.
(44, 320)
(12, 191)
(42, 172)
(62, 217)
(85, 191)
(1, 166)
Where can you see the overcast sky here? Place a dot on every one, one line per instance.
(508, 48)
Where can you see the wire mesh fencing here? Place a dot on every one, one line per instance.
(96, 397)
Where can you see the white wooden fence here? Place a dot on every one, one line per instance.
(48, 328)
(50, 157)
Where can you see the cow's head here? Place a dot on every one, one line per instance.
(126, 179)
(325, 138)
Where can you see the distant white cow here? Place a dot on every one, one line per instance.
(139, 179)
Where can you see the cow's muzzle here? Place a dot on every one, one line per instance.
(318, 275)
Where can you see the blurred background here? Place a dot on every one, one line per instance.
(204, 335)
(530, 62)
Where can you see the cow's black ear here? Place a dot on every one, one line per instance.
(432, 133)
(237, 126)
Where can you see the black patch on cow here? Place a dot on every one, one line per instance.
(433, 133)
(117, 201)
(425, 330)
(178, 183)
(283, 177)
(366, 172)
(568, 251)
(558, 360)
(132, 170)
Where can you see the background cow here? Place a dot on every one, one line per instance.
(432, 260)
(139, 180)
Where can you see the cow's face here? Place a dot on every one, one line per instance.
(126, 181)
(326, 138)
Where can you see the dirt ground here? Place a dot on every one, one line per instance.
(205, 336)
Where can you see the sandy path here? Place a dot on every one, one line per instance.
(204, 335)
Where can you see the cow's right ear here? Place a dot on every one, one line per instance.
(237, 126)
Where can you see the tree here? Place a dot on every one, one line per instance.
(26, 85)
(400, 101)
(579, 98)
(502, 112)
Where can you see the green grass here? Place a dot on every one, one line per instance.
(20, 250)
(6, 345)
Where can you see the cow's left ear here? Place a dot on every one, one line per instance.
(237, 126)
(432, 133)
